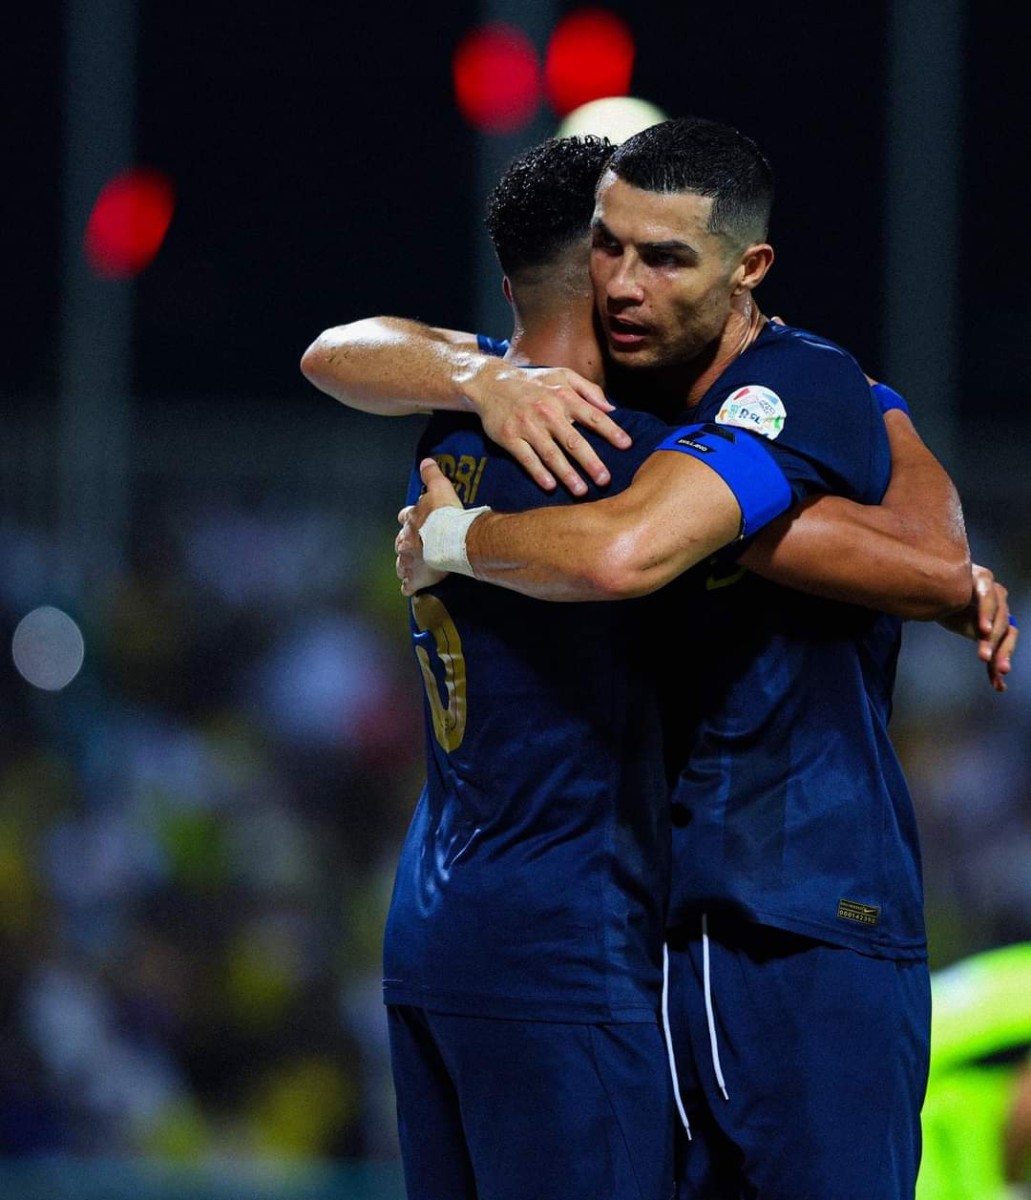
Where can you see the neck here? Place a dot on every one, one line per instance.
(558, 338)
(742, 327)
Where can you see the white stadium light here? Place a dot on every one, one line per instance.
(614, 117)
(48, 648)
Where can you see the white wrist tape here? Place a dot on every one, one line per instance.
(443, 538)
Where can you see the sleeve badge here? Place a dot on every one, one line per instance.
(755, 408)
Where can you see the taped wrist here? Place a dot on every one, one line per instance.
(443, 537)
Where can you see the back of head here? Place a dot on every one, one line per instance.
(689, 154)
(544, 201)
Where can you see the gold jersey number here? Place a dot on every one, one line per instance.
(448, 714)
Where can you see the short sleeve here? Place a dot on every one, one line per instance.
(809, 405)
(745, 466)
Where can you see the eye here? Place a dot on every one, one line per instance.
(605, 242)
(660, 258)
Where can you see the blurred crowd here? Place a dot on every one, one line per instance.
(197, 835)
(196, 844)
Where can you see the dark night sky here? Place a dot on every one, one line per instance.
(324, 174)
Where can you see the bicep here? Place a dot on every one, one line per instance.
(676, 512)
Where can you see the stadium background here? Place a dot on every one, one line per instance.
(197, 833)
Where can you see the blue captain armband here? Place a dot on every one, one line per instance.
(888, 398)
(745, 466)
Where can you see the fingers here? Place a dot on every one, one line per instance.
(1000, 622)
(409, 566)
(985, 596)
(553, 456)
(537, 416)
(997, 632)
(992, 612)
(548, 445)
(1001, 663)
(439, 489)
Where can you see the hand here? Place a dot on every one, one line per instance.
(530, 412)
(409, 565)
(986, 620)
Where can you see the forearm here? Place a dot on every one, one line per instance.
(393, 366)
(907, 556)
(839, 550)
(920, 495)
(618, 548)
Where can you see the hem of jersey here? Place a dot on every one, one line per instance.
(512, 1008)
(830, 934)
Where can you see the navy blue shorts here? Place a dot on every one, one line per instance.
(531, 1110)
(823, 1054)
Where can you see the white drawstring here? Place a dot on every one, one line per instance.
(669, 1041)
(708, 1008)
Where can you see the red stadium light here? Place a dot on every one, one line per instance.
(590, 55)
(128, 223)
(497, 79)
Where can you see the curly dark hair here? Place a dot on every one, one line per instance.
(690, 154)
(544, 201)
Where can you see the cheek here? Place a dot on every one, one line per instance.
(600, 268)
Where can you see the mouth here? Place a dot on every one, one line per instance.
(625, 335)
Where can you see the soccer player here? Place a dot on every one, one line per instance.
(798, 981)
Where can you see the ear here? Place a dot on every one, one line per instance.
(752, 267)
(506, 287)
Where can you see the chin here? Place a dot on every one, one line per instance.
(633, 359)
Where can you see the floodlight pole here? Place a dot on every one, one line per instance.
(493, 152)
(922, 213)
(96, 315)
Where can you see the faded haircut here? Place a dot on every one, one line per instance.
(689, 154)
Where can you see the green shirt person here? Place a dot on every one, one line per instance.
(977, 1115)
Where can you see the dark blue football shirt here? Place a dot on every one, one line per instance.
(533, 879)
(792, 809)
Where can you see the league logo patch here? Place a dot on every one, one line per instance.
(755, 408)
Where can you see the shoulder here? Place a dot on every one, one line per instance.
(800, 361)
(811, 403)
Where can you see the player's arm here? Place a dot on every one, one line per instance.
(678, 510)
(393, 367)
(907, 556)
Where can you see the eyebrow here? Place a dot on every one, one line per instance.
(670, 246)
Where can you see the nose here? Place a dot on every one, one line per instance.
(623, 286)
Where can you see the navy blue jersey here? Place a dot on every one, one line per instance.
(533, 879)
(791, 808)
